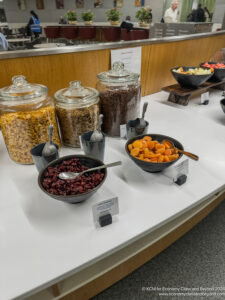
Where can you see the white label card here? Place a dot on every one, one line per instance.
(123, 131)
(204, 97)
(181, 168)
(109, 206)
(175, 171)
(131, 57)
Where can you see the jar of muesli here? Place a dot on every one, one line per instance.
(77, 110)
(26, 111)
(120, 95)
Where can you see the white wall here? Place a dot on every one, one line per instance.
(219, 11)
(51, 14)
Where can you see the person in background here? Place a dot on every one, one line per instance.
(207, 14)
(3, 42)
(127, 24)
(199, 14)
(191, 16)
(33, 25)
(149, 10)
(171, 14)
(62, 20)
(98, 3)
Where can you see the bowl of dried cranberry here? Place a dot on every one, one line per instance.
(76, 190)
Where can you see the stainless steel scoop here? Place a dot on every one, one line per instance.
(142, 122)
(97, 135)
(73, 175)
(49, 148)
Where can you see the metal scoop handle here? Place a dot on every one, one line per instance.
(73, 175)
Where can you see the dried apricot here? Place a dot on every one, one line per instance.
(151, 145)
(161, 158)
(166, 158)
(158, 146)
(137, 144)
(147, 138)
(152, 151)
(144, 144)
(168, 152)
(135, 151)
(161, 150)
(130, 147)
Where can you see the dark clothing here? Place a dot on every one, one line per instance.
(126, 25)
(199, 15)
(191, 17)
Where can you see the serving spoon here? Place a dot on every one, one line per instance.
(171, 145)
(73, 175)
(142, 122)
(97, 135)
(49, 148)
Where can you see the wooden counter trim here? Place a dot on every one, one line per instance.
(106, 280)
(56, 71)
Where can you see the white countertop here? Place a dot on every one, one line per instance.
(49, 45)
(42, 240)
(18, 40)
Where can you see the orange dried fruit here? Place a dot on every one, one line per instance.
(130, 147)
(147, 138)
(166, 158)
(137, 144)
(134, 152)
(168, 152)
(152, 151)
(151, 145)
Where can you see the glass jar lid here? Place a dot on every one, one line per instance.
(77, 95)
(118, 74)
(21, 90)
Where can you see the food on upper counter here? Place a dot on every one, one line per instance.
(193, 71)
(150, 150)
(26, 111)
(214, 65)
(120, 94)
(191, 77)
(77, 110)
(82, 184)
(219, 70)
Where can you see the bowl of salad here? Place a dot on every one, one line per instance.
(191, 77)
(219, 70)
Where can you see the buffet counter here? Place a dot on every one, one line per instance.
(56, 67)
(47, 243)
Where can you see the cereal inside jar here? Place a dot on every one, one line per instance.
(120, 96)
(77, 110)
(26, 111)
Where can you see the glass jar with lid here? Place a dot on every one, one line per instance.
(77, 110)
(120, 95)
(26, 111)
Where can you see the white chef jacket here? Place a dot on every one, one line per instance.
(170, 15)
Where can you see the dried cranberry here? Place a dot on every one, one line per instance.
(82, 184)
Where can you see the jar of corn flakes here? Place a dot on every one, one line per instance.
(26, 111)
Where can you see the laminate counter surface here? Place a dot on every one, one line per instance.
(44, 240)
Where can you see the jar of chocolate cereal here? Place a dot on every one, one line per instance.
(26, 111)
(120, 95)
(77, 110)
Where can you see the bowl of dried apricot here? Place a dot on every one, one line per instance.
(151, 153)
